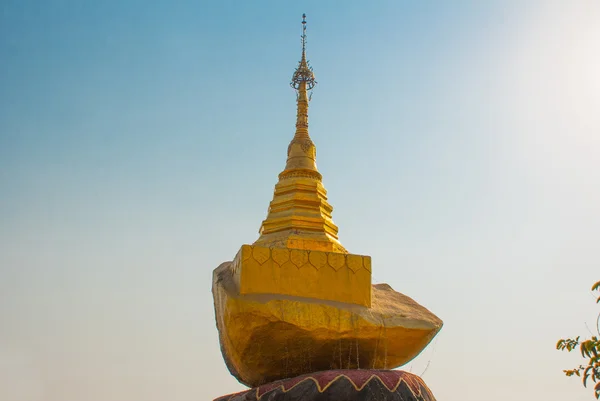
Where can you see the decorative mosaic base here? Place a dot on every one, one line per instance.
(344, 385)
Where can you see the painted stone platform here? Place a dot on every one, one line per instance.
(346, 385)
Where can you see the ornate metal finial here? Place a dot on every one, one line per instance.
(304, 72)
(303, 34)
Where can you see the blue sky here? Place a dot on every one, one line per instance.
(140, 143)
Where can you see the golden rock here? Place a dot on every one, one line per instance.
(266, 337)
(295, 301)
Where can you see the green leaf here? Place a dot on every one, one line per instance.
(586, 374)
(590, 352)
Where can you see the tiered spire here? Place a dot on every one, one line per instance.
(303, 81)
(299, 215)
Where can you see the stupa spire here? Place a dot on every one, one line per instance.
(299, 215)
(303, 81)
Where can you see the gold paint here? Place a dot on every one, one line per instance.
(299, 215)
(298, 272)
(268, 337)
(296, 301)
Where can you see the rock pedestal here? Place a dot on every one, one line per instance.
(341, 385)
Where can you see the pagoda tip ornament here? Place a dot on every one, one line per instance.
(296, 302)
(304, 73)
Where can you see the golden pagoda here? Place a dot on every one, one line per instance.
(296, 301)
(299, 215)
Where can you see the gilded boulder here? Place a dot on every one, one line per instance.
(268, 337)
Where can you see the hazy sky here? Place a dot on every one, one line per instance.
(140, 143)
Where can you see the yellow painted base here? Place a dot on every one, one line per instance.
(329, 276)
(267, 337)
